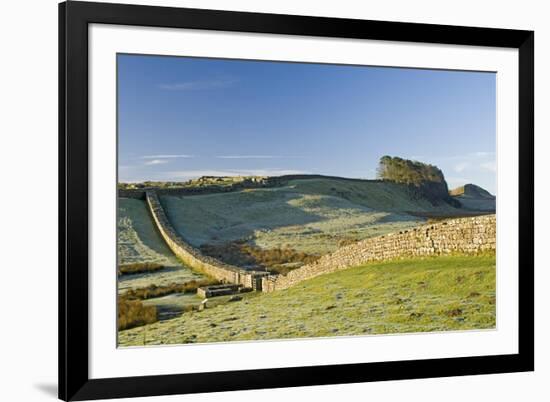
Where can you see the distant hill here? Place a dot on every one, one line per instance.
(310, 214)
(474, 197)
(472, 191)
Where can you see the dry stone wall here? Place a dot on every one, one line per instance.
(193, 257)
(463, 236)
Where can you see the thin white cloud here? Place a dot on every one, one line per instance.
(258, 156)
(468, 162)
(460, 167)
(491, 166)
(156, 162)
(191, 174)
(468, 156)
(482, 154)
(247, 157)
(166, 156)
(198, 85)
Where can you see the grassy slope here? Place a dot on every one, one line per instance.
(477, 204)
(311, 215)
(474, 197)
(139, 241)
(434, 294)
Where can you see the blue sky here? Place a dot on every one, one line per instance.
(181, 118)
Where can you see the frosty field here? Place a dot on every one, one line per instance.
(140, 242)
(281, 228)
(313, 216)
(417, 295)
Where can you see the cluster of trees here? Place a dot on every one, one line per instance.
(424, 180)
(405, 171)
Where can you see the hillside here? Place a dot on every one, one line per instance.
(139, 242)
(314, 216)
(432, 294)
(288, 223)
(474, 197)
(286, 226)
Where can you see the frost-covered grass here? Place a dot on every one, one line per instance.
(313, 216)
(140, 243)
(415, 295)
(138, 239)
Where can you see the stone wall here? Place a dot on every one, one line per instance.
(462, 236)
(192, 256)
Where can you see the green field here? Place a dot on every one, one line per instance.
(313, 216)
(140, 242)
(416, 295)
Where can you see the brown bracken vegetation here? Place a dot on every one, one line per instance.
(240, 253)
(138, 267)
(132, 313)
(158, 291)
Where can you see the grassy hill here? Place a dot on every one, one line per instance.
(474, 198)
(471, 191)
(313, 216)
(417, 295)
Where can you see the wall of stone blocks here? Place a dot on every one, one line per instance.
(461, 236)
(189, 254)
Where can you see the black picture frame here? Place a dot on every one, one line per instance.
(74, 381)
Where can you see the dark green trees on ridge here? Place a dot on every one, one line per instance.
(406, 171)
(424, 180)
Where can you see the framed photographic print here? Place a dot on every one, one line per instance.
(256, 200)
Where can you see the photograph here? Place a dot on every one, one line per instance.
(264, 200)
